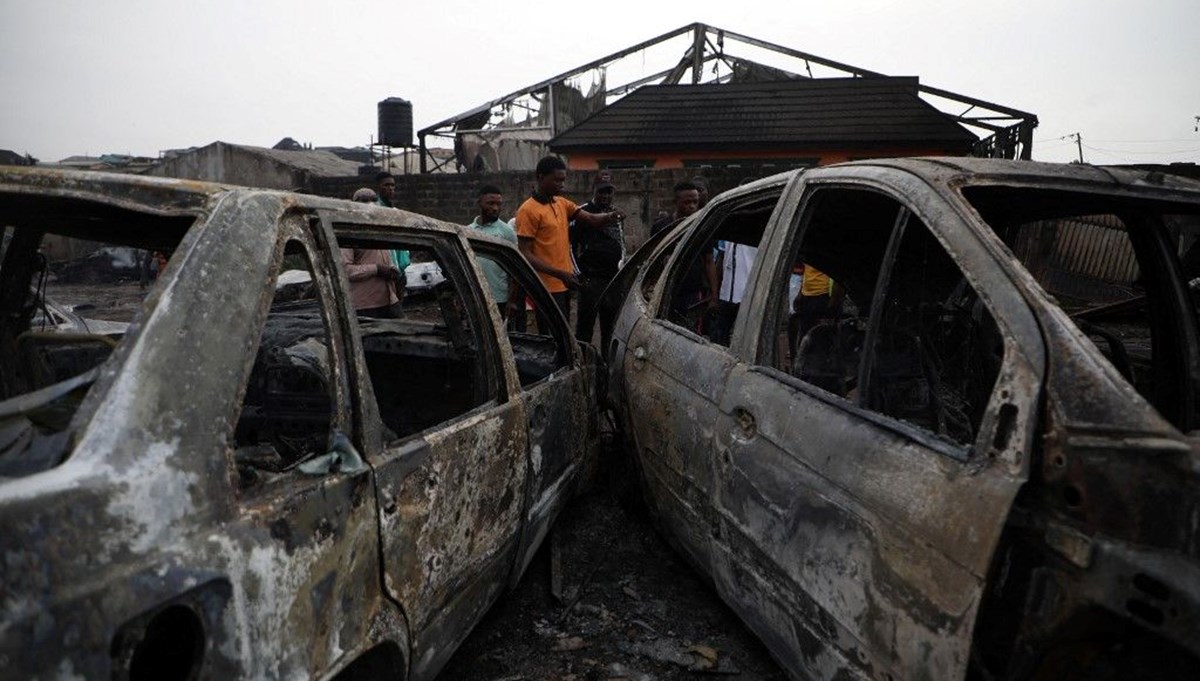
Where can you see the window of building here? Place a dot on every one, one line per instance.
(782, 164)
(626, 163)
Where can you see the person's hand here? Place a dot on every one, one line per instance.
(569, 279)
(615, 216)
(711, 303)
(388, 272)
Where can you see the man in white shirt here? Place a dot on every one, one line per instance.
(734, 262)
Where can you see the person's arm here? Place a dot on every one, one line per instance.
(836, 294)
(359, 271)
(598, 220)
(514, 302)
(712, 272)
(526, 245)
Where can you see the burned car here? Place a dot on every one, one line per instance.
(977, 462)
(253, 481)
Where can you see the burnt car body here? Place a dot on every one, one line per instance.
(252, 481)
(976, 462)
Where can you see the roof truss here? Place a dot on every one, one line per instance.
(698, 53)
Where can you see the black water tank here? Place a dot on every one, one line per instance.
(395, 122)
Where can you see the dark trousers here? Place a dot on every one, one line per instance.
(720, 320)
(516, 321)
(563, 300)
(590, 290)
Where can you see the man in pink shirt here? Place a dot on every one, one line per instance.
(374, 281)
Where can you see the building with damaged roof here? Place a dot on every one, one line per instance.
(841, 104)
(791, 123)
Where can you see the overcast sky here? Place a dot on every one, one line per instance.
(140, 76)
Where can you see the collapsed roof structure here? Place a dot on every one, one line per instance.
(511, 132)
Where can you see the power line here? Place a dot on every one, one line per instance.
(1144, 153)
(1181, 139)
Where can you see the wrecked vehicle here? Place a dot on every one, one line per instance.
(252, 481)
(979, 462)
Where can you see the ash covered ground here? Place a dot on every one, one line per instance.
(631, 609)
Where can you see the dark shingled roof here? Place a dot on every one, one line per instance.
(805, 113)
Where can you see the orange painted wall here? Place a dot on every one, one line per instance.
(675, 159)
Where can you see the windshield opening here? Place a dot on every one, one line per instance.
(73, 275)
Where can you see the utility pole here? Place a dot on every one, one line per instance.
(1078, 145)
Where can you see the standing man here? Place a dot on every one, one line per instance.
(733, 264)
(687, 201)
(542, 231)
(491, 202)
(386, 189)
(701, 185)
(598, 253)
(373, 282)
(692, 303)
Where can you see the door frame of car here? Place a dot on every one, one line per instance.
(443, 599)
(558, 436)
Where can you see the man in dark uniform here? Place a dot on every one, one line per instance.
(599, 252)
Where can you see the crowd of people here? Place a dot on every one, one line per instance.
(577, 249)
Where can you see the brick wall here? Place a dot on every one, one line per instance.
(641, 194)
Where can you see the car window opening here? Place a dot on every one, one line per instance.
(936, 351)
(73, 275)
(708, 284)
(1098, 259)
(539, 347)
(287, 414)
(421, 337)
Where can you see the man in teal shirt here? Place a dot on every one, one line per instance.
(386, 183)
(491, 201)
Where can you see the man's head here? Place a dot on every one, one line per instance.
(491, 201)
(386, 185)
(702, 187)
(365, 195)
(687, 199)
(551, 175)
(604, 190)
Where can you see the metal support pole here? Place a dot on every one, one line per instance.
(698, 52)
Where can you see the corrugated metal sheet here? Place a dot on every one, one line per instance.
(1087, 257)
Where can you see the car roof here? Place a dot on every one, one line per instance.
(172, 196)
(971, 170)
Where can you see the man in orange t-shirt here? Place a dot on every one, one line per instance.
(542, 230)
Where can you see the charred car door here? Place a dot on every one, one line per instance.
(450, 452)
(303, 552)
(555, 381)
(865, 463)
(675, 376)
